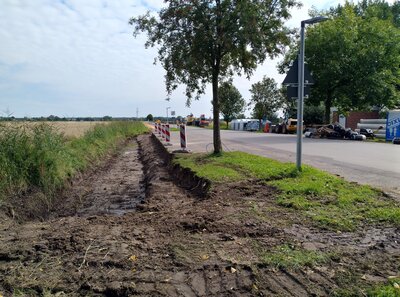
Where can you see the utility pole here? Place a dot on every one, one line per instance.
(137, 113)
(167, 113)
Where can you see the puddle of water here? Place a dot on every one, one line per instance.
(127, 204)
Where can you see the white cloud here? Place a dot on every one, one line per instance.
(78, 57)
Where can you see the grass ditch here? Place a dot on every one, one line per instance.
(40, 158)
(329, 201)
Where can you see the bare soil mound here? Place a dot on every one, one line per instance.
(130, 230)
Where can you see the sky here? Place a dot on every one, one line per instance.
(75, 58)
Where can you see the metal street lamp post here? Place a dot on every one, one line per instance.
(167, 113)
(300, 102)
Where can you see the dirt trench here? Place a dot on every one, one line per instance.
(130, 230)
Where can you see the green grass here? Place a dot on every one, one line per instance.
(329, 201)
(235, 166)
(391, 289)
(285, 256)
(222, 126)
(40, 157)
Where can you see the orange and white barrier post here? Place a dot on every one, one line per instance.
(167, 135)
(183, 136)
(163, 131)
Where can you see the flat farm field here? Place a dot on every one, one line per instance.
(69, 129)
(75, 129)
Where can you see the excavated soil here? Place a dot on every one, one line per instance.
(129, 229)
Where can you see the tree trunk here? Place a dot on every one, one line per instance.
(227, 125)
(215, 102)
(328, 105)
(215, 77)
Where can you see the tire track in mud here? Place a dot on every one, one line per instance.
(137, 233)
(118, 189)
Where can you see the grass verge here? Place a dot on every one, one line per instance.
(222, 126)
(41, 158)
(329, 201)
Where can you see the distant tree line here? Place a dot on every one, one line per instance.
(53, 118)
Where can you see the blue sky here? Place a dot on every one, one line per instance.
(78, 58)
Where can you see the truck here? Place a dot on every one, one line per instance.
(287, 126)
(290, 126)
(190, 120)
(203, 121)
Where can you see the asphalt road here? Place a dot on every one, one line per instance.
(377, 164)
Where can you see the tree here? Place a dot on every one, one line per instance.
(354, 59)
(366, 9)
(150, 117)
(232, 102)
(266, 98)
(203, 41)
(313, 114)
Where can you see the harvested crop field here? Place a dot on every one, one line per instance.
(68, 128)
(75, 129)
(128, 228)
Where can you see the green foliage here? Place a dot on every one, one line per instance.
(266, 98)
(232, 102)
(39, 157)
(150, 117)
(329, 201)
(197, 38)
(372, 9)
(285, 256)
(200, 42)
(313, 114)
(354, 58)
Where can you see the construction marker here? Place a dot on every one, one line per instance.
(167, 134)
(183, 136)
(163, 131)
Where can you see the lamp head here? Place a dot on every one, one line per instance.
(315, 20)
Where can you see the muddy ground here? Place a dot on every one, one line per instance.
(129, 229)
